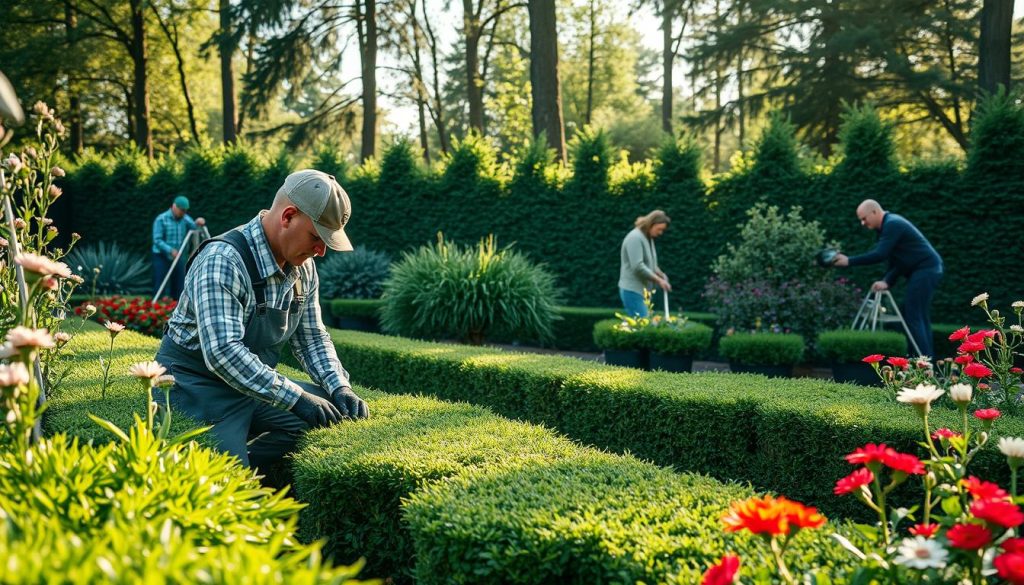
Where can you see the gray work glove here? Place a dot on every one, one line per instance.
(349, 404)
(316, 411)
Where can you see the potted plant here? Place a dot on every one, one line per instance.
(771, 354)
(673, 344)
(845, 348)
(622, 342)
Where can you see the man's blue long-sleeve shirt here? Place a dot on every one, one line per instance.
(903, 245)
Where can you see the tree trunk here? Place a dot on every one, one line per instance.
(668, 57)
(474, 85)
(250, 58)
(438, 106)
(227, 74)
(140, 86)
(544, 81)
(76, 136)
(424, 143)
(741, 116)
(172, 38)
(592, 34)
(994, 45)
(368, 52)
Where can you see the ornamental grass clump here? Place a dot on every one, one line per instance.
(451, 291)
(966, 529)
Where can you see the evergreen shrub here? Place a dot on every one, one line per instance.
(849, 346)
(359, 274)
(762, 349)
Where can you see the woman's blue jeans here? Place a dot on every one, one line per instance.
(633, 303)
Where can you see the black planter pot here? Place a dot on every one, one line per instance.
(629, 358)
(369, 324)
(855, 373)
(671, 363)
(770, 371)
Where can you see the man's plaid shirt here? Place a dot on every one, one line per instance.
(217, 303)
(169, 232)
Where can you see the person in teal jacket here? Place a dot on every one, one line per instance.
(169, 231)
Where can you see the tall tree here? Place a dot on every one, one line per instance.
(366, 26)
(994, 45)
(227, 44)
(544, 80)
(479, 17)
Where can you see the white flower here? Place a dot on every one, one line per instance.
(1012, 447)
(90, 310)
(982, 298)
(7, 350)
(55, 192)
(24, 337)
(1016, 328)
(42, 265)
(921, 396)
(15, 374)
(112, 327)
(150, 370)
(62, 337)
(57, 172)
(13, 163)
(961, 393)
(921, 553)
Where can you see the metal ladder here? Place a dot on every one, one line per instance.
(201, 234)
(872, 312)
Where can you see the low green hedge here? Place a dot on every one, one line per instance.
(451, 493)
(849, 346)
(788, 436)
(607, 336)
(122, 511)
(762, 349)
(690, 339)
(369, 308)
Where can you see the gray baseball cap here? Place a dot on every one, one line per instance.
(319, 196)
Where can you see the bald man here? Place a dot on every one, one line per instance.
(909, 254)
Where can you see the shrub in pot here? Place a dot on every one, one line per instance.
(771, 354)
(672, 345)
(622, 342)
(846, 348)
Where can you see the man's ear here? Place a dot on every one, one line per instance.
(288, 214)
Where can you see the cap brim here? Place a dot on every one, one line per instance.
(335, 239)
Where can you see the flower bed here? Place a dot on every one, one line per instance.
(136, 313)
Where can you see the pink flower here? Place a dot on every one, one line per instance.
(987, 414)
(724, 573)
(147, 370)
(873, 358)
(960, 334)
(42, 265)
(15, 374)
(945, 434)
(113, 328)
(976, 370)
(24, 337)
(854, 481)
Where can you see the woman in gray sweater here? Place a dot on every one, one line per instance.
(638, 262)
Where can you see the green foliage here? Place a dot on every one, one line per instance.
(359, 274)
(684, 421)
(107, 269)
(465, 292)
(774, 247)
(867, 145)
(683, 339)
(849, 346)
(762, 349)
(997, 142)
(775, 154)
(609, 335)
(592, 157)
(356, 307)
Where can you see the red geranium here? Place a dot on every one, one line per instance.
(987, 414)
(854, 481)
(971, 347)
(873, 358)
(1010, 566)
(976, 370)
(960, 334)
(724, 573)
(771, 516)
(998, 512)
(969, 536)
(898, 362)
(904, 462)
(869, 453)
(925, 530)
(984, 490)
(964, 359)
(1016, 370)
(940, 434)
(1013, 545)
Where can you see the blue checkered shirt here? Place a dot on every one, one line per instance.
(169, 232)
(217, 303)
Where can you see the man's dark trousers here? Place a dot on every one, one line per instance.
(917, 306)
(176, 283)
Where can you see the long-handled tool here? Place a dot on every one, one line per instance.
(200, 232)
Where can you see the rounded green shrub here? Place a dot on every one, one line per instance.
(762, 349)
(608, 335)
(359, 274)
(447, 290)
(686, 339)
(849, 346)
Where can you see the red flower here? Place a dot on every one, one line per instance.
(987, 414)
(1013, 545)
(854, 481)
(969, 536)
(976, 370)
(723, 573)
(964, 359)
(1016, 370)
(998, 512)
(906, 463)
(869, 453)
(982, 335)
(1010, 566)
(873, 358)
(940, 434)
(984, 490)
(898, 362)
(925, 530)
(960, 333)
(971, 347)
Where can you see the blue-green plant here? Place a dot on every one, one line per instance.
(359, 274)
(109, 269)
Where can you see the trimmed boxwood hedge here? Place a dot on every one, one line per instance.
(788, 436)
(849, 346)
(762, 349)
